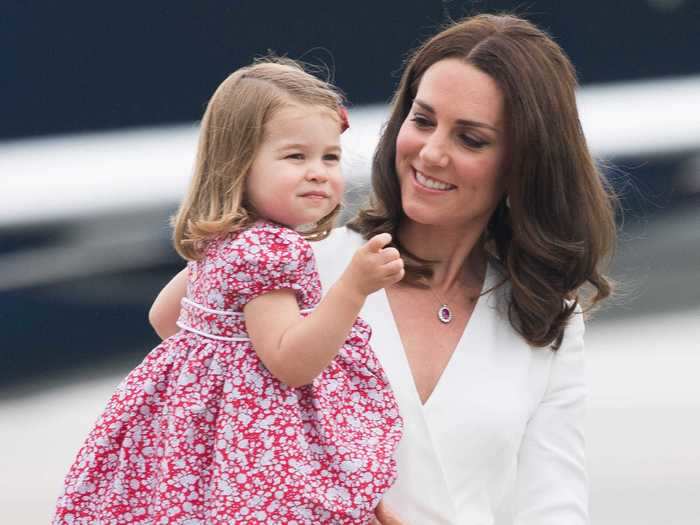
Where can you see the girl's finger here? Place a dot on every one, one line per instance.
(389, 254)
(393, 267)
(376, 243)
(395, 277)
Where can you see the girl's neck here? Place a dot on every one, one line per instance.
(459, 253)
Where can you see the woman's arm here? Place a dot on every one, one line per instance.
(296, 349)
(166, 308)
(551, 485)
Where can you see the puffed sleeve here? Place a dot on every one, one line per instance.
(551, 487)
(269, 257)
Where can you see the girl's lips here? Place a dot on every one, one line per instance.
(315, 195)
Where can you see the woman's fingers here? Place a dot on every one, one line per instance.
(383, 516)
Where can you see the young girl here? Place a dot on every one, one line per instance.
(268, 406)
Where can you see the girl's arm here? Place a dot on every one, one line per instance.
(166, 308)
(296, 349)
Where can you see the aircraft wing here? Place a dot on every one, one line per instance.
(107, 196)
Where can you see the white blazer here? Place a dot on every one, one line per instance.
(500, 438)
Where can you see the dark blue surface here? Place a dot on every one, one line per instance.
(50, 329)
(72, 66)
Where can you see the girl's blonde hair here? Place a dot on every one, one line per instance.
(232, 130)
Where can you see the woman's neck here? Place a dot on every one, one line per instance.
(459, 253)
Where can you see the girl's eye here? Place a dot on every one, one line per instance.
(295, 156)
(420, 121)
(472, 142)
(332, 157)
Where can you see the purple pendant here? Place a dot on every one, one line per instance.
(444, 314)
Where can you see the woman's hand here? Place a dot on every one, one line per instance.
(373, 267)
(382, 516)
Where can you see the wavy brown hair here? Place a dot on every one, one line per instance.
(559, 230)
(232, 129)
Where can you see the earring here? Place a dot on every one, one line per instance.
(508, 201)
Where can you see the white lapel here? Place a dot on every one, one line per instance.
(467, 364)
(421, 494)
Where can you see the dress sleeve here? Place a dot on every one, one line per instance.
(551, 486)
(272, 258)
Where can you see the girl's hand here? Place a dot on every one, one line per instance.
(382, 516)
(373, 266)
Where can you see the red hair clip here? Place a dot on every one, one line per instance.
(344, 121)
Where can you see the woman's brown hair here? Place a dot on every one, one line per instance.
(231, 132)
(559, 229)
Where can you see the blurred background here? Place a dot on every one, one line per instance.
(98, 127)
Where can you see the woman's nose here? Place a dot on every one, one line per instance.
(434, 151)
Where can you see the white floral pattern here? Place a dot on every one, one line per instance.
(201, 433)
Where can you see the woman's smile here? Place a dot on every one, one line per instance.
(431, 184)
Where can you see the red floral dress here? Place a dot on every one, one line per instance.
(201, 433)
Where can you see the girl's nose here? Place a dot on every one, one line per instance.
(316, 173)
(434, 151)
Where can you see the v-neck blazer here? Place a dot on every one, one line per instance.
(499, 440)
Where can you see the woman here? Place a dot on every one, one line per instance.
(484, 180)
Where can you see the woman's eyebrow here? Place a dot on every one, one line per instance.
(462, 122)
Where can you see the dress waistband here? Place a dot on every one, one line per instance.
(221, 325)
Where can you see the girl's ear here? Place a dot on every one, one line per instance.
(344, 119)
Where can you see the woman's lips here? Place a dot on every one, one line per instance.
(430, 184)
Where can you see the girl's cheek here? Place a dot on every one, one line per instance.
(339, 182)
(338, 195)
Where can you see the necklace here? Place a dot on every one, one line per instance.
(444, 312)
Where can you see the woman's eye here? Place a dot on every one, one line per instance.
(420, 121)
(472, 142)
